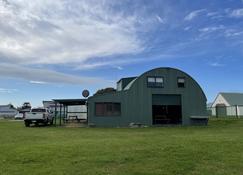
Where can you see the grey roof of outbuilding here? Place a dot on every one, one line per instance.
(233, 98)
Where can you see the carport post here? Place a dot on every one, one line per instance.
(60, 115)
(55, 113)
(87, 110)
(64, 112)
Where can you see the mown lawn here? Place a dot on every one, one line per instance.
(213, 150)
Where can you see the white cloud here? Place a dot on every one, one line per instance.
(53, 32)
(37, 82)
(187, 28)
(212, 13)
(237, 13)
(216, 64)
(211, 29)
(118, 63)
(161, 20)
(119, 67)
(193, 14)
(233, 33)
(216, 15)
(109, 62)
(34, 75)
(8, 91)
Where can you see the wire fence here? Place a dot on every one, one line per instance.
(226, 111)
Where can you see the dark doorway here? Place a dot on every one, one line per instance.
(166, 109)
(166, 114)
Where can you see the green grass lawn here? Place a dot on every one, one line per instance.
(215, 149)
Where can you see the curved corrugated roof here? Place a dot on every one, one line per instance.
(133, 81)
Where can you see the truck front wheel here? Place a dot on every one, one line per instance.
(45, 123)
(51, 122)
(27, 124)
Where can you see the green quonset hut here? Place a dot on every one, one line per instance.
(160, 96)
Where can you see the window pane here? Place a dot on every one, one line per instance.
(38, 110)
(151, 79)
(116, 108)
(159, 80)
(181, 80)
(108, 107)
(99, 109)
(156, 82)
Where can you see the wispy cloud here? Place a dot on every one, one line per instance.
(41, 76)
(211, 29)
(212, 13)
(37, 82)
(193, 14)
(108, 62)
(216, 64)
(187, 28)
(8, 91)
(216, 15)
(119, 67)
(238, 13)
(119, 63)
(54, 32)
(233, 33)
(161, 20)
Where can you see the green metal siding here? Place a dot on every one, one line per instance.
(161, 99)
(136, 102)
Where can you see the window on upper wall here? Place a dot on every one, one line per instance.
(107, 109)
(181, 82)
(155, 82)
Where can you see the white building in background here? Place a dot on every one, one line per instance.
(8, 111)
(50, 105)
(228, 104)
(79, 111)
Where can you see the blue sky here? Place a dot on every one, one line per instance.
(55, 49)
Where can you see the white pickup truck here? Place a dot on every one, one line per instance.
(38, 115)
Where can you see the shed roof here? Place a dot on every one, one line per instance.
(70, 102)
(233, 98)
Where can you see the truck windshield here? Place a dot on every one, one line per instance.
(38, 110)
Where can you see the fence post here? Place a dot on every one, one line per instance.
(236, 110)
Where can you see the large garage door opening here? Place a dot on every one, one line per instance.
(166, 109)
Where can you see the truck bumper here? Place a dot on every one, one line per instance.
(35, 121)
